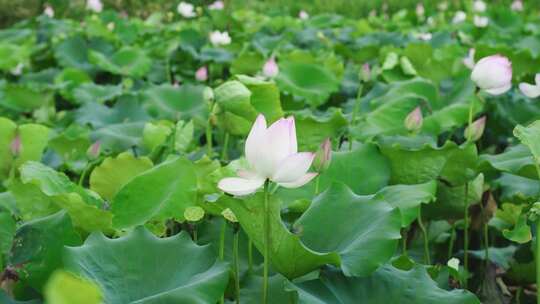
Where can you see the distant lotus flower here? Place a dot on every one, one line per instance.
(479, 6)
(270, 68)
(187, 10)
(469, 60)
(303, 15)
(493, 74)
(420, 10)
(16, 146)
(94, 150)
(476, 129)
(424, 36)
(218, 5)
(94, 5)
(220, 38)
(480, 21)
(459, 17)
(48, 11)
(17, 70)
(413, 122)
(323, 157)
(271, 154)
(202, 74)
(531, 90)
(517, 6)
(443, 6)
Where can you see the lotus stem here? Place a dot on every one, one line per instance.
(236, 266)
(466, 234)
(427, 258)
(266, 242)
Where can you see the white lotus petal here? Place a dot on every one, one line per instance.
(493, 73)
(274, 149)
(240, 186)
(529, 90)
(255, 139)
(299, 182)
(293, 167)
(500, 90)
(293, 145)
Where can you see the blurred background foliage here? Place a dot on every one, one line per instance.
(12, 11)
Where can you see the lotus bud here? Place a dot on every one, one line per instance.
(365, 72)
(323, 156)
(270, 68)
(202, 74)
(94, 150)
(517, 6)
(229, 215)
(479, 6)
(531, 90)
(218, 5)
(476, 129)
(413, 121)
(16, 146)
(208, 94)
(303, 15)
(480, 21)
(459, 17)
(493, 74)
(94, 5)
(48, 11)
(186, 10)
(420, 10)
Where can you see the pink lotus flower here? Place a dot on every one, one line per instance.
(271, 154)
(186, 10)
(202, 74)
(303, 15)
(531, 90)
(48, 11)
(218, 5)
(493, 74)
(517, 6)
(94, 5)
(270, 68)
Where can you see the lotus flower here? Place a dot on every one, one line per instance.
(271, 154)
(94, 5)
(48, 11)
(420, 10)
(531, 90)
(220, 38)
(517, 6)
(459, 17)
(218, 5)
(270, 68)
(201, 74)
(479, 6)
(493, 74)
(187, 10)
(480, 21)
(303, 15)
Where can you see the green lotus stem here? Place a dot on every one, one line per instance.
(354, 114)
(222, 249)
(452, 241)
(317, 184)
(250, 256)
(518, 294)
(427, 258)
(485, 236)
(404, 242)
(266, 242)
(224, 151)
(466, 234)
(537, 257)
(236, 267)
(209, 138)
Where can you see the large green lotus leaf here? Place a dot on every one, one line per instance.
(365, 229)
(38, 245)
(450, 202)
(312, 130)
(249, 63)
(517, 189)
(162, 192)
(114, 172)
(72, 146)
(5, 299)
(91, 92)
(73, 52)
(264, 96)
(119, 137)
(530, 137)
(450, 117)
(34, 139)
(408, 199)
(127, 109)
(7, 133)
(65, 288)
(128, 61)
(251, 291)
(149, 270)
(386, 285)
(311, 82)
(516, 160)
(12, 55)
(23, 98)
(31, 203)
(235, 111)
(184, 102)
(415, 165)
(288, 255)
(84, 206)
(69, 79)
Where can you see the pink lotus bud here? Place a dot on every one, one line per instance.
(94, 150)
(218, 5)
(303, 15)
(517, 6)
(94, 5)
(413, 121)
(459, 17)
(493, 74)
(202, 74)
(479, 6)
(186, 10)
(323, 156)
(476, 129)
(16, 146)
(48, 11)
(420, 10)
(480, 21)
(365, 72)
(531, 90)
(270, 68)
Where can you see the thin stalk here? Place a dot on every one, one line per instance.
(452, 241)
(317, 184)
(518, 294)
(266, 242)
(427, 258)
(222, 250)
(224, 151)
(485, 234)
(236, 267)
(195, 233)
(537, 245)
(354, 114)
(404, 242)
(209, 150)
(250, 256)
(466, 233)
